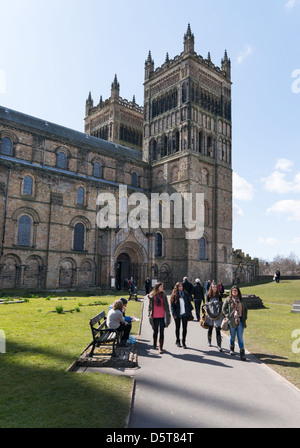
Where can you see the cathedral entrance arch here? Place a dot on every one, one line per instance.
(123, 273)
(130, 263)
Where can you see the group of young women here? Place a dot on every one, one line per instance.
(234, 309)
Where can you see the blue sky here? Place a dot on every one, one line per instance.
(53, 53)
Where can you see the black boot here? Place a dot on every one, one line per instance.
(183, 344)
(178, 343)
(219, 339)
(155, 342)
(232, 350)
(209, 333)
(242, 354)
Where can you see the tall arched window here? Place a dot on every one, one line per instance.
(80, 196)
(203, 249)
(24, 231)
(27, 185)
(6, 146)
(97, 169)
(62, 161)
(79, 237)
(134, 179)
(158, 245)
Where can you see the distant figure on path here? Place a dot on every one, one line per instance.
(198, 297)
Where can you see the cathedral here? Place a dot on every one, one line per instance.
(52, 179)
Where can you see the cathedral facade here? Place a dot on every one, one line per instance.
(51, 179)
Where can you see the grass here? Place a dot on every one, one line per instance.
(269, 331)
(35, 389)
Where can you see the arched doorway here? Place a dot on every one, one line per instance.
(123, 265)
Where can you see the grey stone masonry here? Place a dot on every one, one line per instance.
(296, 308)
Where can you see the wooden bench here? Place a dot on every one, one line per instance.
(103, 335)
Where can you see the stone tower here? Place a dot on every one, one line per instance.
(187, 142)
(115, 119)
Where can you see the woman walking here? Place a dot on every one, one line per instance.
(236, 311)
(159, 314)
(213, 308)
(180, 308)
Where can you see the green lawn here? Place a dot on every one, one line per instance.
(269, 331)
(35, 389)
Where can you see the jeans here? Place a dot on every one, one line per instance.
(238, 331)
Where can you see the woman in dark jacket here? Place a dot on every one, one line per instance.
(180, 308)
(198, 297)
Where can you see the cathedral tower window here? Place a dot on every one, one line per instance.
(62, 161)
(97, 170)
(24, 231)
(79, 237)
(80, 196)
(28, 186)
(134, 179)
(203, 248)
(6, 146)
(158, 245)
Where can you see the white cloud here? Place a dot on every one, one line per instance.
(268, 241)
(284, 164)
(242, 190)
(2, 81)
(237, 212)
(243, 55)
(290, 4)
(288, 207)
(276, 183)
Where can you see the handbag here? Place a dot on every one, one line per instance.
(202, 322)
(225, 324)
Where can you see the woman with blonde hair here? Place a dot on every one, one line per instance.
(158, 313)
(116, 320)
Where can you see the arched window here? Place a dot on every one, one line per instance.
(203, 249)
(80, 196)
(27, 185)
(134, 179)
(79, 237)
(158, 245)
(24, 231)
(62, 161)
(97, 169)
(6, 146)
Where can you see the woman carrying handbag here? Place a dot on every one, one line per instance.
(214, 316)
(235, 310)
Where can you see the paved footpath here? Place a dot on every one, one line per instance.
(200, 387)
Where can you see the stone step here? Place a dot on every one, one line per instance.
(296, 308)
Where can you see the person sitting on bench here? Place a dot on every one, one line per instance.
(116, 321)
